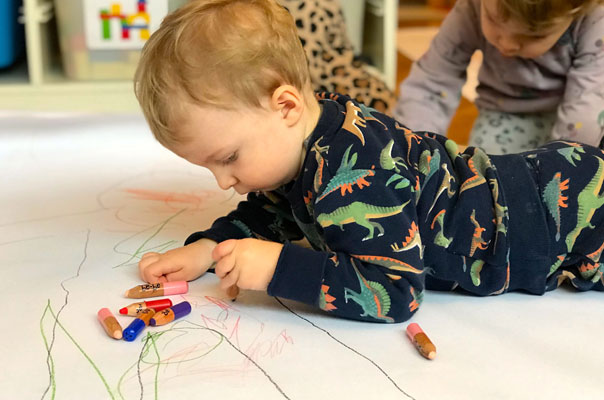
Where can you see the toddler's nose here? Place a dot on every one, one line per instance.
(508, 45)
(225, 181)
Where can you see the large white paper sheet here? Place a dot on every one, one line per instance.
(83, 197)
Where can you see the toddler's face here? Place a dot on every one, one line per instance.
(248, 149)
(512, 38)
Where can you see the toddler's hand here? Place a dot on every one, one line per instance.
(246, 263)
(181, 264)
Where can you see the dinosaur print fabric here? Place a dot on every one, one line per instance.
(390, 212)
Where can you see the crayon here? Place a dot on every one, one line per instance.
(139, 323)
(421, 341)
(232, 292)
(112, 327)
(170, 314)
(135, 308)
(157, 289)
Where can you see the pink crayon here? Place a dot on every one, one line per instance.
(157, 289)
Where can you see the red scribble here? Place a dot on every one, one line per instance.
(220, 303)
(169, 197)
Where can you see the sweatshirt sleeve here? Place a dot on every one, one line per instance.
(262, 216)
(430, 94)
(372, 269)
(580, 115)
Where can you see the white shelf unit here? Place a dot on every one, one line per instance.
(39, 83)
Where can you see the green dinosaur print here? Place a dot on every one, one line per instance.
(417, 299)
(346, 176)
(404, 182)
(452, 149)
(556, 265)
(319, 151)
(243, 227)
(361, 214)
(589, 201)
(553, 197)
(478, 164)
(501, 212)
(388, 162)
(440, 239)
(326, 300)
(475, 270)
(571, 153)
(591, 271)
(390, 263)
(368, 114)
(373, 297)
(413, 240)
(428, 164)
(477, 240)
(444, 185)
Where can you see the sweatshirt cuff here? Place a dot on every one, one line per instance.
(299, 274)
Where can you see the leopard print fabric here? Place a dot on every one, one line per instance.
(332, 62)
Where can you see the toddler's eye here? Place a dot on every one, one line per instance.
(231, 158)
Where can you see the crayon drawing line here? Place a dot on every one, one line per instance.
(77, 345)
(56, 320)
(25, 240)
(346, 346)
(180, 328)
(49, 359)
(140, 248)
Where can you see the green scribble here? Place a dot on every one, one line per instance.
(96, 369)
(53, 383)
(140, 248)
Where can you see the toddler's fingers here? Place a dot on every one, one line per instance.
(147, 259)
(155, 271)
(224, 266)
(223, 248)
(230, 280)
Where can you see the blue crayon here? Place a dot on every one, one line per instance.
(139, 323)
(170, 314)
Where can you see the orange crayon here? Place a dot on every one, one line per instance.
(170, 314)
(421, 341)
(157, 289)
(110, 324)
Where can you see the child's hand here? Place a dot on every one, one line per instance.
(181, 264)
(246, 263)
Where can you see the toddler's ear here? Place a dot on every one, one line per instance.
(289, 102)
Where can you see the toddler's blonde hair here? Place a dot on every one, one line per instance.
(539, 15)
(221, 53)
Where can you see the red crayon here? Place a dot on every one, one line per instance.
(135, 309)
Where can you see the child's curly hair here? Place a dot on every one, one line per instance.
(539, 15)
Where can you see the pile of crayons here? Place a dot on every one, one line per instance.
(154, 312)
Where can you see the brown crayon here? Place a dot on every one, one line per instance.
(157, 289)
(232, 292)
(109, 323)
(421, 341)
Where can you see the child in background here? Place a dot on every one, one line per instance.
(541, 76)
(388, 212)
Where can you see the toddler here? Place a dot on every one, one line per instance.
(540, 79)
(388, 212)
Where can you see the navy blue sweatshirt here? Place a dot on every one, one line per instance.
(390, 212)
